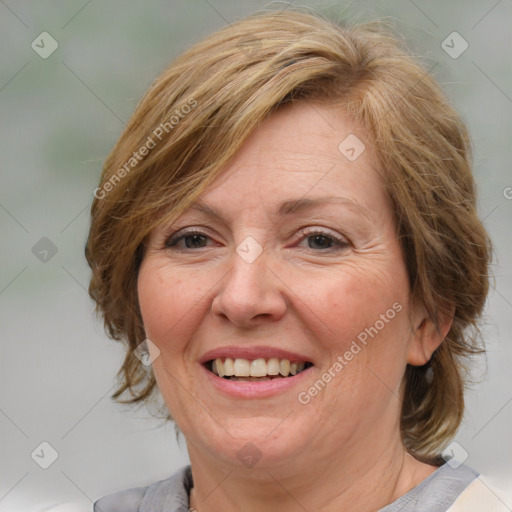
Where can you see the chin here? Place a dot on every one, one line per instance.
(256, 442)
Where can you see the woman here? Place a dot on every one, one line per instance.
(285, 238)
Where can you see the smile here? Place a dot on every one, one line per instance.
(255, 370)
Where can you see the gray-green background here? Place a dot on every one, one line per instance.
(59, 118)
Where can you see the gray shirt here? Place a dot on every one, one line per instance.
(434, 494)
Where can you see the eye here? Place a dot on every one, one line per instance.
(322, 240)
(188, 240)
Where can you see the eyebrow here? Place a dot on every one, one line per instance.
(304, 203)
(292, 206)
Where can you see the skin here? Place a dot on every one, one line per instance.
(309, 295)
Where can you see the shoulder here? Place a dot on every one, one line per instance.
(128, 500)
(437, 492)
(452, 488)
(483, 494)
(172, 491)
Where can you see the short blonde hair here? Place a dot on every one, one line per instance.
(197, 114)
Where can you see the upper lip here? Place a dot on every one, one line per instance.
(251, 353)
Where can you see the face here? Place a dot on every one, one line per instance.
(290, 256)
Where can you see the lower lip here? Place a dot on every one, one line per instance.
(266, 388)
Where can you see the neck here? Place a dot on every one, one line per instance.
(362, 481)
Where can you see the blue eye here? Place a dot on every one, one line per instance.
(322, 241)
(316, 240)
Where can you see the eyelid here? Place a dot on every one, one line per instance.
(180, 233)
(312, 230)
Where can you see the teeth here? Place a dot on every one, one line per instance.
(273, 366)
(242, 368)
(229, 367)
(219, 366)
(250, 379)
(259, 368)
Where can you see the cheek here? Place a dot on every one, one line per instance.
(356, 301)
(359, 318)
(169, 304)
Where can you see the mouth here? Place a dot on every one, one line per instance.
(255, 370)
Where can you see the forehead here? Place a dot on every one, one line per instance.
(302, 150)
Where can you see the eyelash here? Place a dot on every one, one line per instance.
(175, 238)
(341, 244)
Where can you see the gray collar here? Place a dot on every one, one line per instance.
(435, 494)
(170, 495)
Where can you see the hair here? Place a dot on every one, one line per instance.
(196, 115)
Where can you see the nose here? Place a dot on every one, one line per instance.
(250, 293)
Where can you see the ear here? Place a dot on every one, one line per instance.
(426, 336)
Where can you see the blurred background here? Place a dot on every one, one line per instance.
(71, 74)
